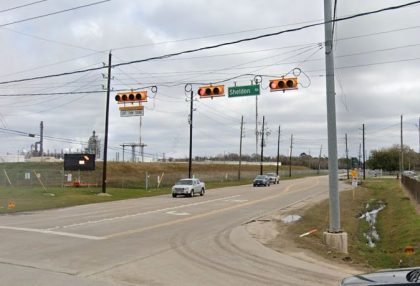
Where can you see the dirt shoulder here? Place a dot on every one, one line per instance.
(274, 233)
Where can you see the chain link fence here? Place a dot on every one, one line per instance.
(56, 177)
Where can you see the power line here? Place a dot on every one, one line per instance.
(21, 6)
(51, 41)
(54, 13)
(222, 44)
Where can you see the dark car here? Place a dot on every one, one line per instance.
(261, 180)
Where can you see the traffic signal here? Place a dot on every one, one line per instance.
(131, 96)
(283, 84)
(211, 91)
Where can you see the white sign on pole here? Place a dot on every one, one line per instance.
(128, 113)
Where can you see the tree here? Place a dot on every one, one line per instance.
(388, 159)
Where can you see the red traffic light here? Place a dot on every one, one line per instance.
(131, 96)
(283, 84)
(211, 91)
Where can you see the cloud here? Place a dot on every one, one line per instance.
(376, 74)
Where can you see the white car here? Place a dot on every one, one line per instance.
(188, 187)
(274, 178)
(402, 276)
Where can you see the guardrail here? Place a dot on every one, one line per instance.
(413, 186)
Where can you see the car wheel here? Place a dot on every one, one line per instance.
(202, 192)
(192, 194)
(174, 195)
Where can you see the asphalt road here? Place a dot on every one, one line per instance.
(160, 241)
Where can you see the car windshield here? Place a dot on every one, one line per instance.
(260, 177)
(184, 182)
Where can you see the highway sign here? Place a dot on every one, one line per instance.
(245, 90)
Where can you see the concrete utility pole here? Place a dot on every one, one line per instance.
(334, 237)
(108, 91)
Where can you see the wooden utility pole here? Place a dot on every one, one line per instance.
(262, 147)
(364, 158)
(240, 148)
(319, 160)
(290, 155)
(108, 91)
(278, 152)
(402, 150)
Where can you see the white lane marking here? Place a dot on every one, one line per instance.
(139, 214)
(44, 231)
(237, 201)
(177, 213)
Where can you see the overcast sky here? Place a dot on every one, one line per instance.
(377, 61)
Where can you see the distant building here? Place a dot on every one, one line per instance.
(94, 146)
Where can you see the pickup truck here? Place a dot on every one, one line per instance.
(188, 187)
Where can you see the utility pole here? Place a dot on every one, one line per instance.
(240, 148)
(364, 158)
(191, 128)
(334, 236)
(278, 152)
(41, 140)
(347, 160)
(141, 145)
(262, 147)
(108, 91)
(402, 151)
(290, 155)
(256, 125)
(419, 135)
(319, 160)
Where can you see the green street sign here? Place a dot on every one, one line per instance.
(243, 90)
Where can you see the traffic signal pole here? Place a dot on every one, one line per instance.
(334, 237)
(191, 126)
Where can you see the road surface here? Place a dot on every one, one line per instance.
(160, 241)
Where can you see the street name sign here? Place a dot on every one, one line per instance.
(246, 90)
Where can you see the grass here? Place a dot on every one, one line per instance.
(33, 197)
(36, 198)
(398, 226)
